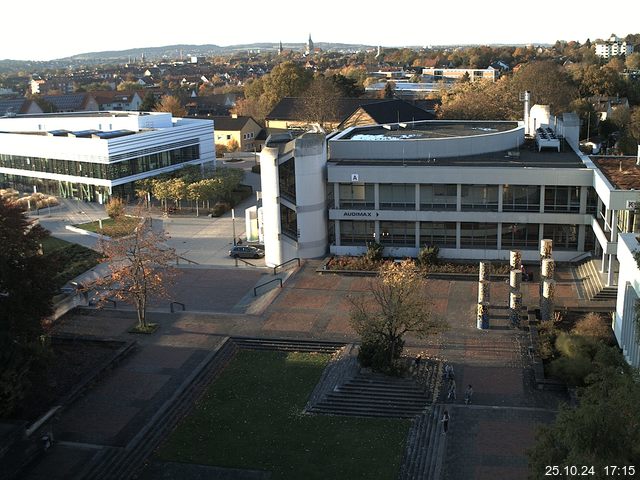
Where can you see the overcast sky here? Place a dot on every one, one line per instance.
(45, 30)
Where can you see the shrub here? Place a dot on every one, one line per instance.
(593, 326)
(547, 334)
(374, 252)
(572, 371)
(428, 255)
(374, 353)
(220, 208)
(256, 169)
(115, 208)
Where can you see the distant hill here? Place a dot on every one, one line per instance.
(174, 51)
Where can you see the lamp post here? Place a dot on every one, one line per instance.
(233, 225)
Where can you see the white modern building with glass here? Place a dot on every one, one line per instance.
(93, 155)
(476, 189)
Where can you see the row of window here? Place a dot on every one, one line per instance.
(472, 235)
(515, 198)
(110, 171)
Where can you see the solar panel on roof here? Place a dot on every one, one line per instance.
(112, 134)
(83, 133)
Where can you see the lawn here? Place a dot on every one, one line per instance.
(251, 417)
(112, 227)
(70, 259)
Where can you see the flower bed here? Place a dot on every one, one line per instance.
(365, 264)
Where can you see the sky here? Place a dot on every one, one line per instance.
(45, 30)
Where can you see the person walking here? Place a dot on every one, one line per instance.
(445, 422)
(452, 390)
(468, 394)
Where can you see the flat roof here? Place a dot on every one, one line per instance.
(427, 129)
(525, 156)
(622, 172)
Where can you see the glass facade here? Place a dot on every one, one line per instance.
(479, 235)
(397, 196)
(441, 234)
(356, 233)
(480, 197)
(521, 198)
(356, 196)
(438, 197)
(398, 234)
(289, 222)
(523, 236)
(110, 171)
(287, 179)
(562, 199)
(565, 237)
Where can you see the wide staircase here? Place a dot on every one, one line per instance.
(370, 394)
(424, 452)
(592, 283)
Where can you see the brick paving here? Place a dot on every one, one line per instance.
(487, 439)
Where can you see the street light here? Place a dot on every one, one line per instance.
(233, 223)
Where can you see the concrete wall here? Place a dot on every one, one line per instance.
(628, 292)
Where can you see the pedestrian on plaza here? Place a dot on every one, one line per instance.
(417, 361)
(448, 372)
(468, 394)
(452, 390)
(525, 276)
(445, 422)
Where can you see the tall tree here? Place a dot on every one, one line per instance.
(320, 102)
(549, 84)
(140, 268)
(603, 430)
(26, 290)
(397, 305)
(171, 104)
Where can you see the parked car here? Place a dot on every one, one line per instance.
(242, 251)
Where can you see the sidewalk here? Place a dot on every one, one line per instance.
(487, 439)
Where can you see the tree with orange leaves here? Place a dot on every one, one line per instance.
(140, 268)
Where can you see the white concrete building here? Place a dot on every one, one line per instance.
(613, 48)
(92, 155)
(624, 321)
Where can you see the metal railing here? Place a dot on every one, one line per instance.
(255, 290)
(285, 263)
(175, 303)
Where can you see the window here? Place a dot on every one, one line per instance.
(287, 179)
(356, 196)
(480, 197)
(565, 237)
(356, 233)
(228, 137)
(398, 234)
(592, 201)
(438, 197)
(521, 198)
(479, 235)
(562, 199)
(288, 222)
(397, 196)
(524, 236)
(441, 234)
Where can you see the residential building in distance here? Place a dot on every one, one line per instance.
(244, 131)
(16, 106)
(94, 155)
(73, 102)
(449, 75)
(614, 47)
(117, 101)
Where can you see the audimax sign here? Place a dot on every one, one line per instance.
(360, 214)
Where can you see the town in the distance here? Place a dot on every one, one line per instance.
(322, 261)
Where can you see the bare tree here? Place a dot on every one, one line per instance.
(320, 102)
(399, 306)
(140, 268)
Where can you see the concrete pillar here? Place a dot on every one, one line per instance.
(484, 292)
(614, 226)
(482, 320)
(603, 265)
(499, 243)
(458, 198)
(548, 268)
(581, 237)
(484, 271)
(336, 195)
(610, 273)
(458, 232)
(546, 248)
(417, 197)
(515, 307)
(515, 280)
(541, 204)
(500, 192)
(417, 232)
(376, 196)
(515, 259)
(336, 229)
(547, 303)
(584, 192)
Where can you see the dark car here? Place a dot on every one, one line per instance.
(242, 251)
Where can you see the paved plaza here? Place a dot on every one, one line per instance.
(487, 439)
